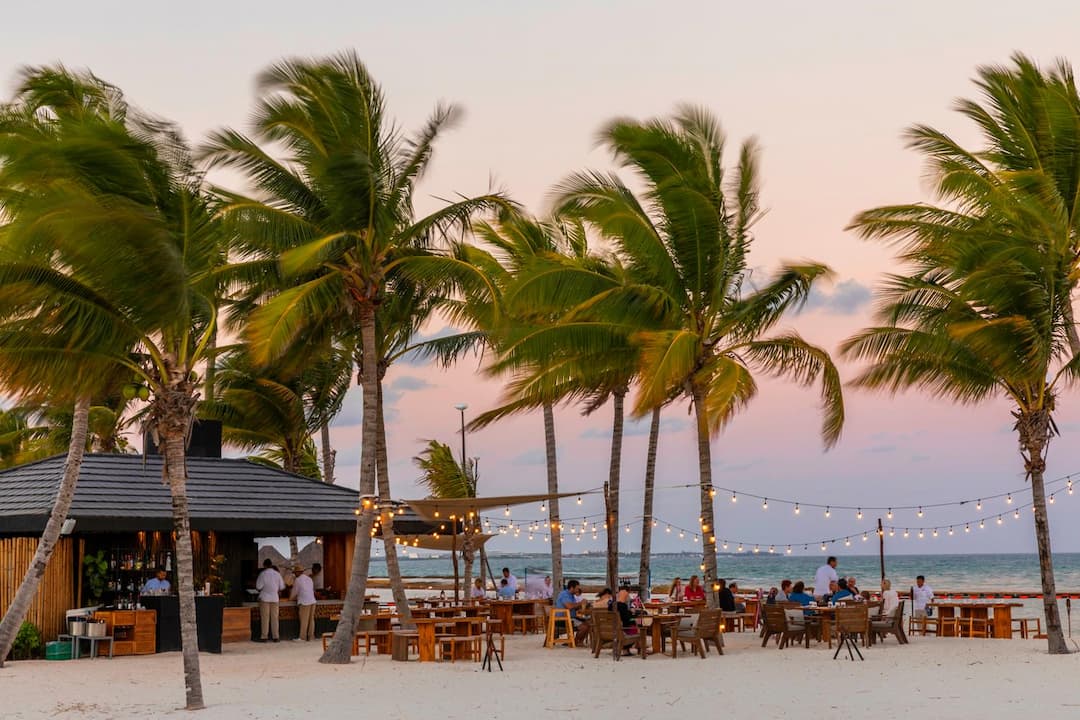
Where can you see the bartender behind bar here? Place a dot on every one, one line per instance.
(157, 585)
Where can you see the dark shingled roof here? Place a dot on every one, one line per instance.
(122, 493)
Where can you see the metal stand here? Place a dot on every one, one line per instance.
(491, 652)
(846, 641)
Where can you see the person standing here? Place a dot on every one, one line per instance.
(303, 592)
(511, 581)
(157, 585)
(921, 596)
(270, 584)
(547, 592)
(317, 576)
(825, 575)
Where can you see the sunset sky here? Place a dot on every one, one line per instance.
(826, 87)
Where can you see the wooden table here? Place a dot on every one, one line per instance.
(827, 614)
(656, 629)
(426, 627)
(447, 611)
(505, 610)
(1001, 622)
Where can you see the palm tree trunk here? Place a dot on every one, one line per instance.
(644, 571)
(294, 551)
(614, 473)
(708, 530)
(172, 414)
(211, 367)
(393, 567)
(468, 555)
(292, 466)
(1070, 328)
(340, 647)
(483, 567)
(24, 596)
(1034, 431)
(328, 454)
(553, 489)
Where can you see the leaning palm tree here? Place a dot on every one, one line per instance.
(334, 216)
(148, 211)
(687, 238)
(986, 309)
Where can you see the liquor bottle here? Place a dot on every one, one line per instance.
(168, 562)
(112, 561)
(138, 561)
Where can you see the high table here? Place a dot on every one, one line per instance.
(505, 610)
(208, 619)
(1001, 622)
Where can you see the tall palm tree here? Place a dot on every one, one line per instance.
(986, 308)
(687, 238)
(147, 210)
(336, 217)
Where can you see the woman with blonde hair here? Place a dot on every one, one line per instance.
(890, 600)
(675, 593)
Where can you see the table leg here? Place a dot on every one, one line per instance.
(826, 628)
(425, 633)
(1003, 622)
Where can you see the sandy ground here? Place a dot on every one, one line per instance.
(930, 677)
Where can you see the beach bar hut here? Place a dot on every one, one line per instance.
(122, 515)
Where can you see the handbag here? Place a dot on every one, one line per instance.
(929, 611)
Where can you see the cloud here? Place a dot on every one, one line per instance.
(352, 410)
(880, 449)
(636, 428)
(410, 382)
(846, 298)
(536, 456)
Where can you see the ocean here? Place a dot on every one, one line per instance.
(976, 573)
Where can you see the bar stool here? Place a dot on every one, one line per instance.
(554, 617)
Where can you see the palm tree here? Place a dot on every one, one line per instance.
(278, 412)
(446, 478)
(146, 209)
(335, 217)
(986, 309)
(686, 239)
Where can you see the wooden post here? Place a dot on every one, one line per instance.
(881, 546)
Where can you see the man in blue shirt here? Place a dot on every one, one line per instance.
(570, 599)
(156, 585)
(505, 591)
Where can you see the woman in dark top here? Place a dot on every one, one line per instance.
(626, 618)
(727, 598)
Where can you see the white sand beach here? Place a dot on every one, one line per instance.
(930, 677)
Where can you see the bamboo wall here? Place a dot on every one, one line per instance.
(55, 595)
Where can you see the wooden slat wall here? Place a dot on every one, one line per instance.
(55, 595)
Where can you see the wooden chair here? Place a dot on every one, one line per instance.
(925, 625)
(529, 622)
(789, 631)
(1023, 626)
(553, 617)
(851, 622)
(608, 631)
(460, 646)
(886, 625)
(974, 627)
(707, 630)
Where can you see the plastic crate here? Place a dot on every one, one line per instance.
(58, 650)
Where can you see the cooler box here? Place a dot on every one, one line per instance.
(58, 650)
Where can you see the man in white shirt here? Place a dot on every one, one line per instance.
(825, 574)
(270, 584)
(303, 592)
(921, 594)
(511, 581)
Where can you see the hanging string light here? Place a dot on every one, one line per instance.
(858, 515)
(796, 508)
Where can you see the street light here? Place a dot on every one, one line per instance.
(462, 407)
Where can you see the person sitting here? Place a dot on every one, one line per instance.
(675, 592)
(727, 598)
(739, 606)
(798, 594)
(477, 593)
(505, 591)
(890, 599)
(626, 615)
(853, 588)
(842, 593)
(570, 599)
(785, 588)
(694, 591)
(834, 587)
(604, 599)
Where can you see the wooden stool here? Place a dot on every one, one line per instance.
(974, 627)
(400, 643)
(1023, 626)
(326, 637)
(554, 617)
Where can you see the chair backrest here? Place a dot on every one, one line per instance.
(605, 624)
(708, 624)
(852, 618)
(775, 620)
(898, 613)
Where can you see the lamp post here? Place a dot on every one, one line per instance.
(461, 408)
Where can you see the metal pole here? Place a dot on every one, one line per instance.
(881, 545)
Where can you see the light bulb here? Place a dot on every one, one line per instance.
(739, 548)
(934, 533)
(725, 545)
(681, 534)
(627, 528)
(858, 515)
(920, 513)
(999, 520)
(1008, 500)
(578, 499)
(712, 492)
(865, 537)
(757, 549)
(796, 508)
(543, 507)
(733, 498)
(920, 534)
(668, 529)
(506, 512)
(1016, 514)
(772, 549)
(695, 538)
(765, 504)
(967, 527)
(950, 530)
(906, 533)
(655, 524)
(892, 532)
(1051, 499)
(847, 542)
(822, 547)
(827, 513)
(888, 515)
(978, 504)
(788, 549)
(982, 524)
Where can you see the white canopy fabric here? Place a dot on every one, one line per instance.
(436, 509)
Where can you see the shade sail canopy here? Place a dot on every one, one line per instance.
(440, 542)
(442, 508)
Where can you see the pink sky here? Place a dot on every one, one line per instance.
(827, 88)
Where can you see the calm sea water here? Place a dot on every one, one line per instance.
(943, 572)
